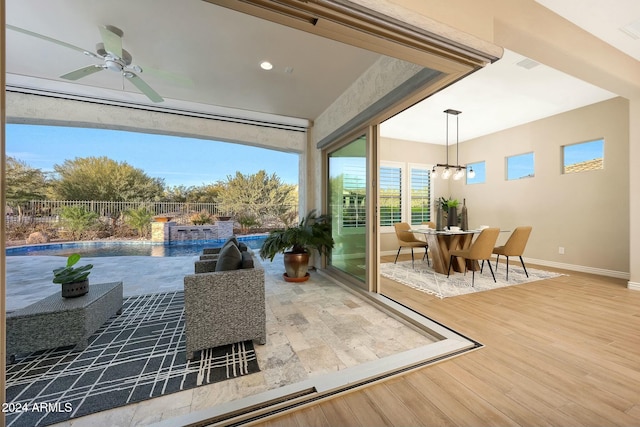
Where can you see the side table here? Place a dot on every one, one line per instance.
(58, 322)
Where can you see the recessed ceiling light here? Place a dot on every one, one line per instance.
(266, 65)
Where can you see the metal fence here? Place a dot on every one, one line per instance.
(48, 210)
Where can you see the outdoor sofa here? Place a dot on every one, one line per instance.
(225, 303)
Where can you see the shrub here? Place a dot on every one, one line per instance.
(77, 221)
(140, 220)
(201, 218)
(246, 221)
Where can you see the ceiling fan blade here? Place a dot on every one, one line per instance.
(112, 39)
(144, 88)
(82, 72)
(168, 75)
(49, 39)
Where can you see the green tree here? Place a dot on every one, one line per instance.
(101, 178)
(257, 195)
(24, 183)
(206, 193)
(76, 221)
(177, 193)
(140, 220)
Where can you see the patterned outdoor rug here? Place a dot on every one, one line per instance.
(424, 279)
(135, 356)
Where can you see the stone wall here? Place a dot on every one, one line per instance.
(170, 232)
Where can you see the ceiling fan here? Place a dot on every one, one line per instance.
(112, 55)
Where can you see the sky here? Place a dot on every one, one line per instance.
(177, 160)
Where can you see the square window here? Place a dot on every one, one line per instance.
(479, 173)
(520, 166)
(583, 157)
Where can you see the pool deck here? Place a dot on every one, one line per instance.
(316, 330)
(29, 278)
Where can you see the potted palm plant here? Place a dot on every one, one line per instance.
(74, 280)
(296, 242)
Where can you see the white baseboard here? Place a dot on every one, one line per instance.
(633, 285)
(581, 268)
(564, 266)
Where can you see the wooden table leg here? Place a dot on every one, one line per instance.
(441, 246)
(439, 261)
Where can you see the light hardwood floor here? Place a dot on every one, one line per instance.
(559, 352)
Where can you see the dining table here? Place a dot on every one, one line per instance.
(442, 242)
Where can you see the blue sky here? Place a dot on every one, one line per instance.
(179, 161)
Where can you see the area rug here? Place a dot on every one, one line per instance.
(135, 356)
(424, 279)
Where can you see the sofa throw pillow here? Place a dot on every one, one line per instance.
(230, 240)
(230, 258)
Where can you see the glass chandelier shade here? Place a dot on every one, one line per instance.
(456, 171)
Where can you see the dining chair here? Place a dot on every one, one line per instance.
(479, 250)
(431, 224)
(408, 239)
(514, 247)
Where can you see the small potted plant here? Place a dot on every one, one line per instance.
(74, 280)
(313, 232)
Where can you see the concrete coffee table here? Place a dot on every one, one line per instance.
(58, 322)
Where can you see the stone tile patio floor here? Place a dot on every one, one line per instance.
(313, 328)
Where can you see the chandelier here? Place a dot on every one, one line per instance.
(456, 170)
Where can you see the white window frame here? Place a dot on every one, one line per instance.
(405, 188)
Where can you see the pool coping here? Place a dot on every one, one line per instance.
(104, 242)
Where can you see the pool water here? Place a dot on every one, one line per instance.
(127, 248)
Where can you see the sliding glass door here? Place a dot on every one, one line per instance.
(347, 170)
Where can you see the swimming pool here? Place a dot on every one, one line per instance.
(129, 248)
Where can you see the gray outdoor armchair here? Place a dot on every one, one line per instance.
(224, 307)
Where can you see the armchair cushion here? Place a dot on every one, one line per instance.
(230, 258)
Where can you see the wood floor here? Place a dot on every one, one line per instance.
(559, 352)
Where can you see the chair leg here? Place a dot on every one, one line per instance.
(491, 269)
(412, 257)
(525, 268)
(497, 258)
(397, 254)
(450, 262)
(482, 266)
(473, 278)
(426, 254)
(507, 268)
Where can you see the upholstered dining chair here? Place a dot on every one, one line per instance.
(408, 239)
(514, 247)
(479, 250)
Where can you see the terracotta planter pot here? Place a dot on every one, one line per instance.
(296, 266)
(73, 290)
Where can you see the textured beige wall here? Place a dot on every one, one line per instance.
(586, 213)
(380, 79)
(35, 109)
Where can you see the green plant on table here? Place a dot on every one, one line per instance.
(448, 203)
(69, 274)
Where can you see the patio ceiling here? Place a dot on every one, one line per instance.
(205, 58)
